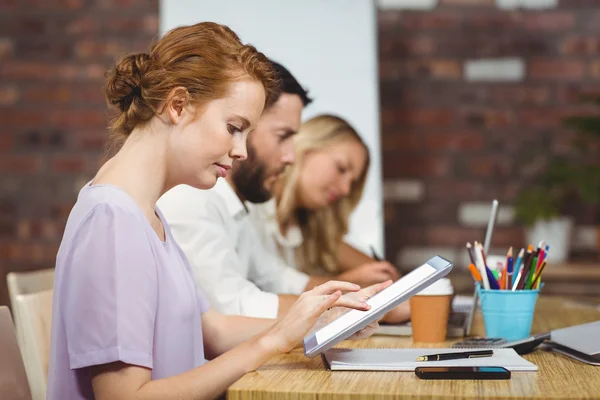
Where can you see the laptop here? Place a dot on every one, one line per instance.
(463, 307)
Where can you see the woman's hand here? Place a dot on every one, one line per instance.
(371, 273)
(307, 313)
(361, 295)
(288, 331)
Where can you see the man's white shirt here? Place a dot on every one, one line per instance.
(230, 264)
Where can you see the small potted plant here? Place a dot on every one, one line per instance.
(541, 206)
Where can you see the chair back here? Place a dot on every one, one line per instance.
(35, 324)
(13, 380)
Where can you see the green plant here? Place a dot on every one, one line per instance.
(564, 176)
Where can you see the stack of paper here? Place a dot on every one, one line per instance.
(404, 360)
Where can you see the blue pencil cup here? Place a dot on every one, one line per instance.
(508, 314)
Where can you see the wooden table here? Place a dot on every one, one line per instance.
(293, 376)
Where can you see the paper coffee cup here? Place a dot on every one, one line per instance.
(429, 312)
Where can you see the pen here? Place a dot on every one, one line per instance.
(456, 356)
(374, 253)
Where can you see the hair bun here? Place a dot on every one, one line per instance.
(125, 80)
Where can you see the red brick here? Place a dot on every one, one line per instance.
(43, 49)
(595, 69)
(490, 22)
(401, 141)
(451, 235)
(50, 250)
(405, 235)
(389, 213)
(8, 95)
(415, 166)
(437, 211)
(468, 3)
(576, 93)
(540, 117)
(20, 164)
(62, 5)
(488, 117)
(8, 5)
(138, 24)
(580, 45)
(437, 69)
(506, 236)
(519, 94)
(394, 46)
(118, 5)
(548, 21)
(454, 190)
(590, 20)
(452, 141)
(91, 140)
(89, 94)
(555, 69)
(58, 94)
(388, 20)
(6, 48)
(79, 119)
(43, 71)
(7, 209)
(6, 141)
(490, 165)
(20, 118)
(85, 24)
(23, 230)
(7, 229)
(98, 48)
(29, 229)
(431, 20)
(418, 117)
(562, 142)
(50, 230)
(67, 164)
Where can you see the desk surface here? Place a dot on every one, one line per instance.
(293, 376)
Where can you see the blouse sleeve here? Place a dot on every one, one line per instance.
(109, 291)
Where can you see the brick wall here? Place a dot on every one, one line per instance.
(53, 55)
(468, 88)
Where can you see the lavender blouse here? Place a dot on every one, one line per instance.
(120, 294)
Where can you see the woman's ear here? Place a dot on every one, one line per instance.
(175, 106)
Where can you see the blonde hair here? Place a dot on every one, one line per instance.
(323, 229)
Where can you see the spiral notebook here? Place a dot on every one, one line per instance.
(338, 359)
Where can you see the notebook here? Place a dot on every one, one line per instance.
(338, 359)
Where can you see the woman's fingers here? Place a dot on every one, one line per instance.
(332, 286)
(350, 302)
(327, 301)
(370, 291)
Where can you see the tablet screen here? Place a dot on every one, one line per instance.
(382, 298)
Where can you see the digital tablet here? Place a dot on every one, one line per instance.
(354, 320)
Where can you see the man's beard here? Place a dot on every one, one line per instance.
(249, 178)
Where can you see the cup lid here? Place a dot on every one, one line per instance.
(441, 287)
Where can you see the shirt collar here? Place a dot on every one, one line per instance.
(268, 212)
(233, 203)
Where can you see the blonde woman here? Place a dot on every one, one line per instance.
(306, 221)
